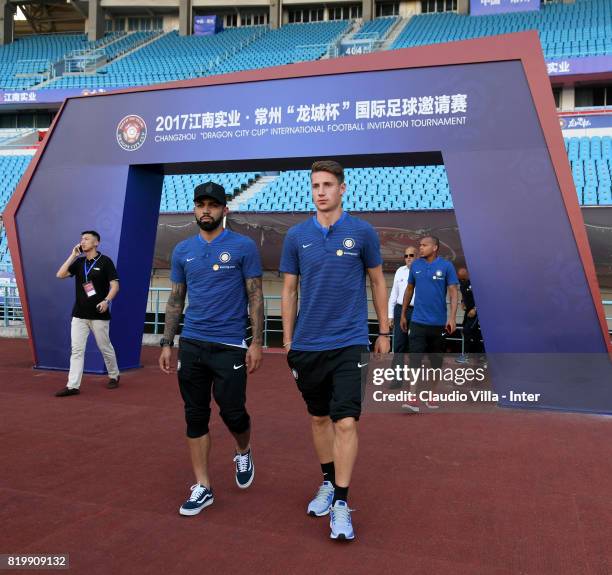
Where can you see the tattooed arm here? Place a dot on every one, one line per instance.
(256, 313)
(174, 309)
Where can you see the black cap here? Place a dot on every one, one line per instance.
(210, 190)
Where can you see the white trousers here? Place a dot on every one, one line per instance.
(79, 331)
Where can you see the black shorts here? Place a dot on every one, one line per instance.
(330, 381)
(205, 367)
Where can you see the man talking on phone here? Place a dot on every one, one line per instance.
(96, 285)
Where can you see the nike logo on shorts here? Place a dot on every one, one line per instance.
(189, 259)
(306, 245)
(238, 366)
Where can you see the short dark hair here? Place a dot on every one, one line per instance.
(91, 233)
(329, 166)
(434, 239)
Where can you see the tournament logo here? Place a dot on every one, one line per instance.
(349, 243)
(225, 257)
(131, 133)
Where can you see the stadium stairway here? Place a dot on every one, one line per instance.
(394, 32)
(242, 198)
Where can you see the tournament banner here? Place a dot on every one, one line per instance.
(48, 96)
(588, 121)
(576, 66)
(489, 7)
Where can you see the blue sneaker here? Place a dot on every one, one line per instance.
(320, 505)
(341, 525)
(245, 469)
(200, 497)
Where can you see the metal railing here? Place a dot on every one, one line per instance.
(11, 313)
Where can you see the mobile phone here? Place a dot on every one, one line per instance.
(80, 250)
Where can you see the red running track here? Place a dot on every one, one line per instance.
(101, 475)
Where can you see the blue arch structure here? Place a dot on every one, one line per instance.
(484, 105)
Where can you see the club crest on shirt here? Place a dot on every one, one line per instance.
(349, 243)
(225, 257)
(439, 275)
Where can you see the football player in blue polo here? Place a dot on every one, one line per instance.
(328, 255)
(219, 271)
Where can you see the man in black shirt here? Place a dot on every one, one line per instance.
(96, 284)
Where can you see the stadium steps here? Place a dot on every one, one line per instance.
(251, 191)
(395, 31)
(354, 29)
(135, 48)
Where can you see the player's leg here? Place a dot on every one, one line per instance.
(345, 410)
(195, 381)
(308, 368)
(229, 390)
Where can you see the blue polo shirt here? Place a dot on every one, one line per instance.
(331, 263)
(430, 281)
(215, 273)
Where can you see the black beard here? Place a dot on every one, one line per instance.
(210, 226)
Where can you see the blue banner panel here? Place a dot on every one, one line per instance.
(480, 117)
(575, 122)
(488, 7)
(207, 25)
(579, 66)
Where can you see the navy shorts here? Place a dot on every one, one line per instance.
(330, 381)
(208, 368)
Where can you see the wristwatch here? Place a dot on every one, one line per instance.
(163, 342)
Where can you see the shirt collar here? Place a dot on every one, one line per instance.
(216, 240)
(324, 230)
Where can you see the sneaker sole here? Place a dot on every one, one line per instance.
(413, 408)
(192, 512)
(341, 537)
(248, 483)
(315, 514)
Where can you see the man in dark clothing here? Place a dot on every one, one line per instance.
(96, 284)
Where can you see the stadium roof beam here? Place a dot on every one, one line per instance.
(7, 13)
(185, 17)
(47, 16)
(95, 22)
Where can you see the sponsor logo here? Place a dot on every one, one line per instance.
(238, 366)
(306, 245)
(360, 365)
(189, 259)
(339, 253)
(216, 267)
(131, 133)
(349, 243)
(225, 257)
(579, 123)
